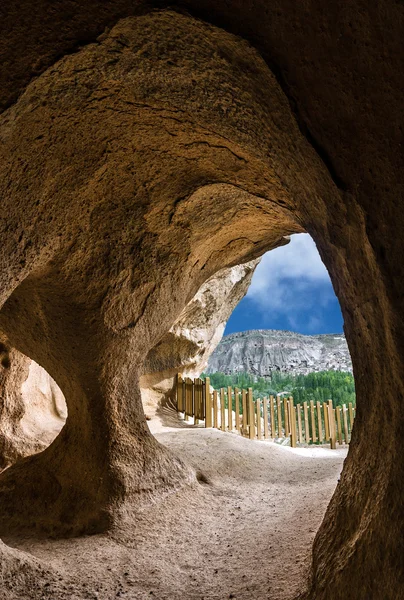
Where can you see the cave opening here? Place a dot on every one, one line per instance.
(286, 293)
(285, 327)
(298, 481)
(256, 305)
(33, 409)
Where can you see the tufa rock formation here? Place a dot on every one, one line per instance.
(98, 298)
(194, 336)
(264, 351)
(141, 152)
(199, 328)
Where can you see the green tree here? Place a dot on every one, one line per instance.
(337, 386)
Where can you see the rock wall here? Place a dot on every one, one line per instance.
(138, 165)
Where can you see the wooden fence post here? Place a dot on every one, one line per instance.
(306, 423)
(189, 399)
(237, 401)
(279, 415)
(334, 417)
(331, 419)
(195, 387)
(327, 426)
(286, 416)
(299, 422)
(215, 407)
(272, 409)
(222, 411)
(345, 418)
(265, 414)
(180, 397)
(251, 414)
(319, 423)
(198, 399)
(258, 408)
(313, 422)
(230, 408)
(292, 422)
(203, 402)
(208, 404)
(186, 400)
(245, 417)
(351, 416)
(339, 427)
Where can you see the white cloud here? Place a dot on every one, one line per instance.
(292, 279)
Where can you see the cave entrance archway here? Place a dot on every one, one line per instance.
(285, 333)
(299, 482)
(288, 289)
(193, 162)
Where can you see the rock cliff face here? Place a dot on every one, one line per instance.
(261, 352)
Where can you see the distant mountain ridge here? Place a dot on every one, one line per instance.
(263, 351)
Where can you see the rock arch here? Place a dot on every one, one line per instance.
(133, 170)
(32, 407)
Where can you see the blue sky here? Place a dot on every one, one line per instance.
(290, 289)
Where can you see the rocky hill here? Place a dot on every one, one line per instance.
(264, 351)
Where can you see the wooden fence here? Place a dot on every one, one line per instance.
(233, 409)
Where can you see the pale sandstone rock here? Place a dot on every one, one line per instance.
(45, 406)
(194, 336)
(134, 169)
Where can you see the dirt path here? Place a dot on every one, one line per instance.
(245, 533)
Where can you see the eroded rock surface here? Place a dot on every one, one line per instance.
(135, 168)
(112, 245)
(188, 345)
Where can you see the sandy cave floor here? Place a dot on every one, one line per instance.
(247, 533)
